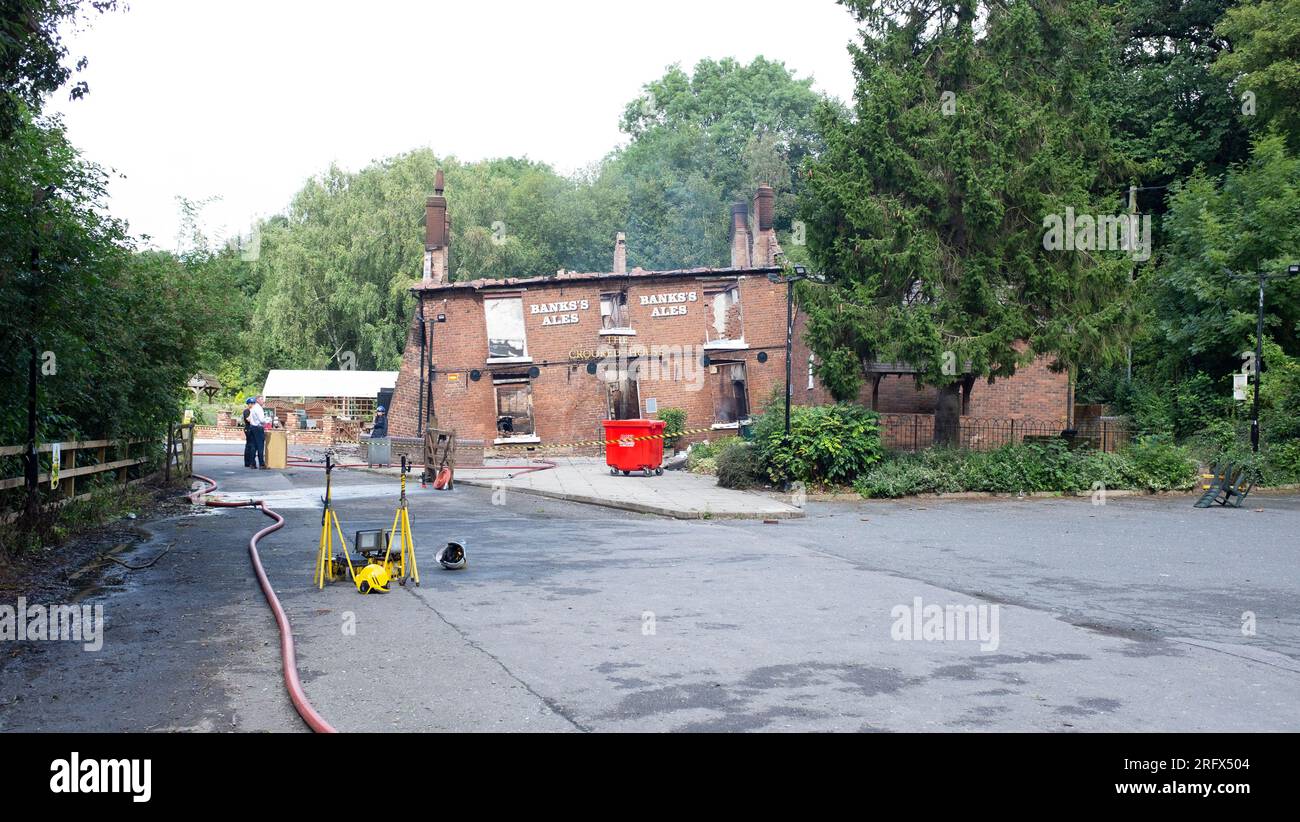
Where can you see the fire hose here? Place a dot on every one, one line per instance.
(291, 682)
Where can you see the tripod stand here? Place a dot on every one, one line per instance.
(406, 549)
(328, 568)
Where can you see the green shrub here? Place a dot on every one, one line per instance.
(1278, 463)
(1151, 465)
(1159, 465)
(828, 443)
(1282, 462)
(703, 455)
(674, 421)
(897, 478)
(1280, 395)
(1218, 436)
(704, 465)
(1020, 467)
(738, 465)
(1110, 469)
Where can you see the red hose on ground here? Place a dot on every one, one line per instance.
(291, 682)
(287, 653)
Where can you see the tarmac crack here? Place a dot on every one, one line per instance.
(465, 637)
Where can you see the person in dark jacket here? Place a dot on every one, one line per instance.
(380, 428)
(250, 445)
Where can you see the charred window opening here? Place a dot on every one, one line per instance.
(726, 320)
(622, 393)
(731, 392)
(505, 327)
(613, 310)
(514, 406)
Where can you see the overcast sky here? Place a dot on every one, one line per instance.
(246, 99)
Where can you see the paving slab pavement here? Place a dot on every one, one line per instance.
(676, 494)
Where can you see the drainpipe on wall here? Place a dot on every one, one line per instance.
(432, 372)
(419, 414)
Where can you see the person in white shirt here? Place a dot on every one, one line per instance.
(257, 420)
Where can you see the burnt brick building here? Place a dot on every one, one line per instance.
(542, 360)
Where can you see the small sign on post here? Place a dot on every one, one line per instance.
(56, 457)
(1239, 383)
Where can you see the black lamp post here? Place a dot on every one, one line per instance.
(800, 273)
(1262, 277)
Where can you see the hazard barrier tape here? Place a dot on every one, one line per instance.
(541, 447)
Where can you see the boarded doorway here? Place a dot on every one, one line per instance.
(514, 407)
(622, 395)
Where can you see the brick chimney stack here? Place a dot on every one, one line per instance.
(620, 253)
(437, 235)
(740, 235)
(766, 248)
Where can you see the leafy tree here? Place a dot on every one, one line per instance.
(972, 123)
(334, 272)
(1197, 76)
(701, 141)
(1248, 221)
(115, 333)
(1265, 60)
(32, 54)
(1173, 112)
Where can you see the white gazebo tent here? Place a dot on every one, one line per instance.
(349, 393)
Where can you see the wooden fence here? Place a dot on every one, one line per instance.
(79, 460)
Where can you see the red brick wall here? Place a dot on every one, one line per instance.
(295, 436)
(403, 414)
(1033, 392)
(569, 403)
